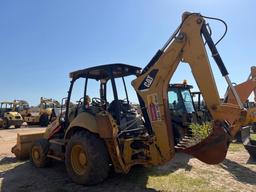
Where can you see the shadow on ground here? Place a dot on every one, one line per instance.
(7, 160)
(251, 161)
(240, 172)
(25, 178)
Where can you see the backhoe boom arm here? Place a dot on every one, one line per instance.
(187, 46)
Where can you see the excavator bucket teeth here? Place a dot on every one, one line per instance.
(211, 150)
(24, 142)
(249, 144)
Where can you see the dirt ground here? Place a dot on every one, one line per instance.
(8, 138)
(183, 173)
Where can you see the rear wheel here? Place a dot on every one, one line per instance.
(38, 153)
(87, 159)
(6, 123)
(44, 120)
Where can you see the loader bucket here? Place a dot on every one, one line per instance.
(213, 149)
(249, 145)
(24, 142)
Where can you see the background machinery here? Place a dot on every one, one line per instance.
(9, 116)
(20, 106)
(43, 114)
(105, 132)
(244, 90)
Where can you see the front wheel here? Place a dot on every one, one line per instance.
(6, 123)
(87, 159)
(38, 153)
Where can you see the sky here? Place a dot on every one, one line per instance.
(42, 41)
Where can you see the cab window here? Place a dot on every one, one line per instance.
(187, 101)
(175, 102)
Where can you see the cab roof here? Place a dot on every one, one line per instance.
(6, 102)
(180, 86)
(104, 71)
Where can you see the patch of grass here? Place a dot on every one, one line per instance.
(236, 147)
(8, 166)
(179, 182)
(253, 136)
(163, 180)
(199, 131)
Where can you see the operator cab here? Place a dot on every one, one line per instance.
(180, 100)
(98, 84)
(48, 103)
(249, 104)
(182, 109)
(203, 113)
(5, 107)
(20, 105)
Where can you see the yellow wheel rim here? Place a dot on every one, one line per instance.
(78, 159)
(35, 154)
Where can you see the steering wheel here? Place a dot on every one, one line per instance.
(98, 102)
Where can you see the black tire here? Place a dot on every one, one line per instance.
(44, 120)
(41, 147)
(96, 168)
(6, 123)
(17, 126)
(238, 137)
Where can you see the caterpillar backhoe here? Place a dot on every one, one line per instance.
(43, 114)
(103, 131)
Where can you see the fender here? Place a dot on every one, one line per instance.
(83, 120)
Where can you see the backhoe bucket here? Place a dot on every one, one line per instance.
(249, 144)
(211, 150)
(24, 142)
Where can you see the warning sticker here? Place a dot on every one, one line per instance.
(153, 107)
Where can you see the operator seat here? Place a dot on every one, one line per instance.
(112, 107)
(127, 115)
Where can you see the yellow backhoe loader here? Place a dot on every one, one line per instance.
(8, 116)
(102, 131)
(43, 114)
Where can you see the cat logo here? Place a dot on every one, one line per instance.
(148, 81)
